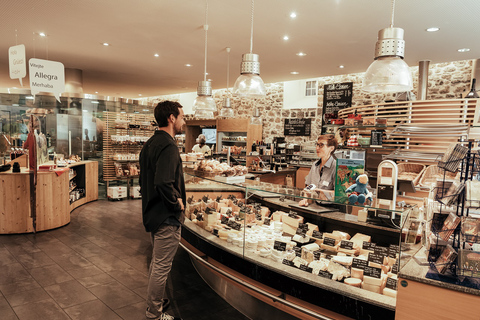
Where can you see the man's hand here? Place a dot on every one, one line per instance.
(181, 204)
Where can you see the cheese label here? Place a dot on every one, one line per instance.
(280, 245)
(359, 263)
(376, 258)
(301, 232)
(215, 232)
(317, 234)
(391, 283)
(368, 245)
(393, 250)
(298, 251)
(325, 274)
(306, 268)
(317, 254)
(372, 272)
(329, 242)
(234, 225)
(224, 220)
(381, 250)
(266, 221)
(288, 263)
(395, 268)
(302, 229)
(345, 244)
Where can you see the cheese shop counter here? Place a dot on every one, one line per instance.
(316, 255)
(58, 191)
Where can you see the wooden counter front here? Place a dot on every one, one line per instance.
(53, 205)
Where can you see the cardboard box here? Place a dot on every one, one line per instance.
(135, 192)
(116, 193)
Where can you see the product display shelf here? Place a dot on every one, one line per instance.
(282, 275)
(129, 131)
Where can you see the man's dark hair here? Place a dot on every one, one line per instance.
(164, 109)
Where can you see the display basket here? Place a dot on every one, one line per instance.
(432, 173)
(452, 157)
(410, 171)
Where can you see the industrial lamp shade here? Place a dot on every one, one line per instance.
(389, 73)
(249, 84)
(255, 119)
(204, 105)
(227, 110)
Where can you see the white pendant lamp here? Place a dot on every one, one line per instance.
(249, 84)
(255, 119)
(204, 105)
(227, 111)
(389, 72)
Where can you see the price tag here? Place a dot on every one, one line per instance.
(391, 283)
(279, 245)
(292, 214)
(266, 221)
(395, 268)
(317, 234)
(300, 232)
(234, 225)
(376, 258)
(317, 254)
(372, 272)
(329, 242)
(215, 232)
(345, 244)
(224, 220)
(306, 268)
(298, 251)
(381, 250)
(288, 263)
(325, 274)
(368, 246)
(359, 263)
(393, 250)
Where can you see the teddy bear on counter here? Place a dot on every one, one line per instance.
(359, 192)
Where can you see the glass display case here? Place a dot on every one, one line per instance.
(334, 256)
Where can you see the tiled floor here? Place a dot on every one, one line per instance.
(96, 268)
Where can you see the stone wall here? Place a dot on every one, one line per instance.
(446, 81)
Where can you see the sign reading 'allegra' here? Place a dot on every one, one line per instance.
(46, 76)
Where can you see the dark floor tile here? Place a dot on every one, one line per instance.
(139, 262)
(6, 257)
(17, 299)
(19, 286)
(34, 260)
(12, 238)
(13, 272)
(49, 275)
(71, 238)
(96, 280)
(84, 272)
(69, 293)
(130, 278)
(134, 311)
(115, 295)
(70, 261)
(54, 247)
(88, 249)
(103, 240)
(6, 310)
(142, 292)
(22, 248)
(46, 309)
(108, 262)
(91, 310)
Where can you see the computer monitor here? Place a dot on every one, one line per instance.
(210, 135)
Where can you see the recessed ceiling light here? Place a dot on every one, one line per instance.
(432, 29)
(96, 91)
(293, 15)
(42, 34)
(463, 50)
(156, 55)
(285, 37)
(106, 44)
(301, 54)
(188, 65)
(294, 72)
(139, 94)
(341, 66)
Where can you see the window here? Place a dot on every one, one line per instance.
(310, 88)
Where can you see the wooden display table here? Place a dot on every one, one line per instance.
(53, 205)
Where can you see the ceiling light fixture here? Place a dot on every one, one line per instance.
(227, 110)
(255, 119)
(249, 84)
(341, 66)
(389, 73)
(204, 105)
(301, 54)
(432, 29)
(42, 34)
(293, 15)
(106, 44)
(463, 50)
(294, 72)
(285, 38)
(156, 55)
(188, 65)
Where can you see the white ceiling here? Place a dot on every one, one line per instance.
(330, 32)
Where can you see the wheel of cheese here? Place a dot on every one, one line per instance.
(354, 282)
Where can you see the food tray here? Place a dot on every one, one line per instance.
(410, 171)
(432, 173)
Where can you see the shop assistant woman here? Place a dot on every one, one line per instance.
(322, 172)
(201, 146)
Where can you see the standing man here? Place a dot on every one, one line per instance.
(163, 199)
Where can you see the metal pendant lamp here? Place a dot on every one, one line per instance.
(389, 72)
(204, 105)
(249, 84)
(227, 111)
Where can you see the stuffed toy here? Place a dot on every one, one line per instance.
(359, 191)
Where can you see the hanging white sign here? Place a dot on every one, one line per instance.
(17, 62)
(46, 76)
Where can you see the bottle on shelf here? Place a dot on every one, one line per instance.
(473, 93)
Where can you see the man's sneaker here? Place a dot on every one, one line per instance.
(166, 316)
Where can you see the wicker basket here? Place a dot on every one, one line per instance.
(432, 173)
(410, 171)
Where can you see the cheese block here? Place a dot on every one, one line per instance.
(372, 281)
(223, 234)
(265, 252)
(311, 227)
(375, 265)
(328, 248)
(311, 247)
(342, 235)
(278, 215)
(210, 219)
(353, 282)
(250, 218)
(300, 239)
(390, 292)
(357, 273)
(359, 238)
(347, 251)
(264, 211)
(224, 210)
(346, 261)
(288, 229)
(294, 222)
(370, 287)
(209, 228)
(219, 205)
(364, 252)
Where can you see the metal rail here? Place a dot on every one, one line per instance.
(254, 288)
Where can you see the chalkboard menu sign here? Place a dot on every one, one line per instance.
(297, 127)
(337, 96)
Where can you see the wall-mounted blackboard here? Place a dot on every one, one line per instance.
(297, 127)
(337, 96)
